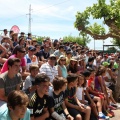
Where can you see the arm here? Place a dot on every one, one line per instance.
(87, 94)
(59, 72)
(66, 112)
(2, 94)
(4, 51)
(101, 84)
(43, 116)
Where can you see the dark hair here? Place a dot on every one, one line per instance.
(33, 67)
(61, 47)
(17, 49)
(37, 45)
(5, 30)
(11, 61)
(86, 73)
(42, 77)
(101, 69)
(58, 83)
(71, 78)
(20, 39)
(16, 98)
(90, 59)
(90, 69)
(84, 84)
(68, 52)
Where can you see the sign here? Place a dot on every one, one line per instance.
(15, 29)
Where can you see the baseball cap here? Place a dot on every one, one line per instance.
(32, 48)
(105, 64)
(52, 55)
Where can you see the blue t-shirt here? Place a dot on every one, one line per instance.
(4, 113)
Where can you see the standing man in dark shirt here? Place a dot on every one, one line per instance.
(38, 104)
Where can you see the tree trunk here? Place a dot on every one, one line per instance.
(117, 86)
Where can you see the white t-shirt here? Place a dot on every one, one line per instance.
(79, 93)
(29, 62)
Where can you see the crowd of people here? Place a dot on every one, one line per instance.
(56, 80)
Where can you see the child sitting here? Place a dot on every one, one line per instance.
(74, 106)
(29, 86)
(58, 109)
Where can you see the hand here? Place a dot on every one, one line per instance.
(69, 117)
(92, 104)
(82, 109)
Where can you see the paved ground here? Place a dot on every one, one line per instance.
(117, 114)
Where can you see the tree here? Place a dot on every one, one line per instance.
(110, 16)
(112, 49)
(83, 40)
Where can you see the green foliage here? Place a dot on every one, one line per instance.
(112, 49)
(108, 13)
(40, 39)
(80, 40)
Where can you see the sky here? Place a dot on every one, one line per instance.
(51, 18)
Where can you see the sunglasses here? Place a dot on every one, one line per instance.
(22, 51)
(63, 60)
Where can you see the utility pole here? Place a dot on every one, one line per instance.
(29, 26)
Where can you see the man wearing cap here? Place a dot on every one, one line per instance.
(49, 67)
(30, 57)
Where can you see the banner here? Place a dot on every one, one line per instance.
(15, 29)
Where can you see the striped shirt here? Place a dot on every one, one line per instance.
(49, 70)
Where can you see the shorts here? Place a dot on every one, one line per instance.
(86, 98)
(73, 112)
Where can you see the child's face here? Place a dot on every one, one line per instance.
(92, 74)
(34, 72)
(80, 81)
(74, 84)
(19, 111)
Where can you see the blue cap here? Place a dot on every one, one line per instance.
(32, 48)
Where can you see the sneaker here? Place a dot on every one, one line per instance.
(108, 114)
(112, 113)
(103, 117)
(114, 105)
(111, 107)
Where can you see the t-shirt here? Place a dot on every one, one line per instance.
(5, 115)
(5, 65)
(37, 104)
(29, 81)
(56, 101)
(32, 61)
(9, 84)
(73, 70)
(43, 54)
(57, 53)
(69, 94)
(49, 70)
(79, 93)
